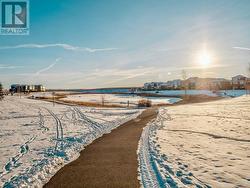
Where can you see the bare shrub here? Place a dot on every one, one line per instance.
(144, 103)
(1, 91)
(103, 99)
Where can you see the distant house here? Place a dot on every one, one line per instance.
(173, 84)
(16, 88)
(193, 83)
(190, 83)
(40, 88)
(176, 83)
(147, 86)
(248, 85)
(219, 84)
(153, 85)
(207, 83)
(31, 87)
(239, 82)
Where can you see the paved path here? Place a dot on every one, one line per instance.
(109, 162)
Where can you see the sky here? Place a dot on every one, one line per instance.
(117, 43)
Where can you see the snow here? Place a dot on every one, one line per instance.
(37, 138)
(118, 99)
(197, 145)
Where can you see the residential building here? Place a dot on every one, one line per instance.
(239, 82)
(153, 85)
(26, 88)
(176, 84)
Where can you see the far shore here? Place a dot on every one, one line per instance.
(186, 99)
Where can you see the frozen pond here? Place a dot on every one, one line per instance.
(234, 93)
(119, 99)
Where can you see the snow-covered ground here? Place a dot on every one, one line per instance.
(118, 99)
(37, 138)
(198, 145)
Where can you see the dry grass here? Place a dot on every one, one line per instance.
(59, 100)
(91, 104)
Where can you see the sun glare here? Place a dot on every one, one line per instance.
(204, 58)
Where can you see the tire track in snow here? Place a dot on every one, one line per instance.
(59, 131)
(104, 120)
(94, 125)
(41, 121)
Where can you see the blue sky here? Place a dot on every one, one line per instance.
(108, 43)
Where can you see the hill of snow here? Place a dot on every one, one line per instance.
(37, 138)
(198, 145)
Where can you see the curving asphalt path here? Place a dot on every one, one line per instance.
(108, 162)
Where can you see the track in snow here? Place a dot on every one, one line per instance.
(94, 125)
(59, 132)
(13, 161)
(154, 168)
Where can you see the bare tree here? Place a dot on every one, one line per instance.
(103, 99)
(184, 77)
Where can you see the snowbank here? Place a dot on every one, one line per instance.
(37, 138)
(198, 145)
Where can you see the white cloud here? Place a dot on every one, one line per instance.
(170, 49)
(241, 48)
(47, 68)
(9, 66)
(59, 45)
(115, 75)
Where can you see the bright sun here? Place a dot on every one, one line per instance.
(204, 58)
